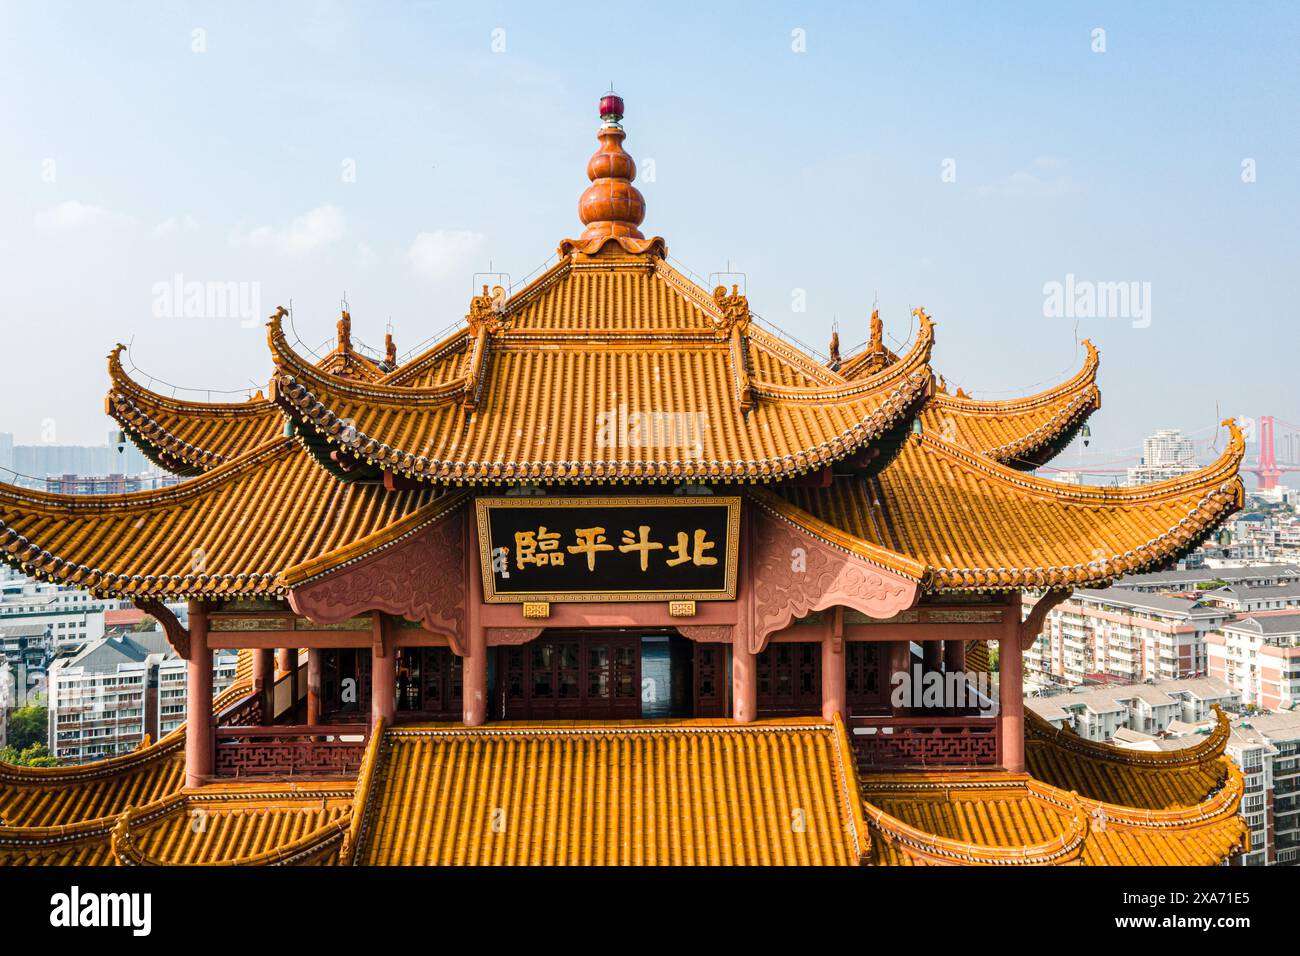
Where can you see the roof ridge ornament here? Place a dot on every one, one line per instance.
(611, 205)
(345, 331)
(488, 311)
(735, 310)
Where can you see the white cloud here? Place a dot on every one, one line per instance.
(365, 255)
(173, 226)
(70, 216)
(438, 254)
(318, 227)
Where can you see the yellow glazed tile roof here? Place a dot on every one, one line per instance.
(231, 531)
(182, 436)
(972, 523)
(1156, 780)
(187, 437)
(994, 818)
(237, 825)
(690, 792)
(1021, 432)
(58, 796)
(617, 374)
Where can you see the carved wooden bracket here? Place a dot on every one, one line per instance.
(793, 574)
(177, 636)
(1031, 625)
(707, 633)
(512, 636)
(421, 579)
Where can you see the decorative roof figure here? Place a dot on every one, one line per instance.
(611, 205)
(345, 331)
(877, 333)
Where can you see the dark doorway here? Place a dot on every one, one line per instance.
(345, 686)
(711, 680)
(790, 680)
(865, 684)
(428, 683)
(571, 676)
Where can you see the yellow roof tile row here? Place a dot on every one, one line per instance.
(974, 524)
(1010, 819)
(576, 383)
(1021, 432)
(1157, 780)
(229, 532)
(692, 792)
(935, 514)
(58, 796)
(187, 437)
(237, 825)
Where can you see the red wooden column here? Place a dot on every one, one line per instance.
(474, 678)
(834, 700)
(264, 681)
(313, 685)
(899, 660)
(1011, 697)
(744, 683)
(198, 700)
(932, 655)
(744, 662)
(954, 656)
(383, 676)
(474, 669)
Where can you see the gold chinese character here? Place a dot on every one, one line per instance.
(640, 542)
(538, 547)
(590, 540)
(696, 556)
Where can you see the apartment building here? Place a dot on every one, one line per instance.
(27, 650)
(1191, 580)
(1247, 599)
(72, 617)
(1115, 711)
(1259, 656)
(1166, 454)
(171, 687)
(105, 698)
(1267, 749)
(1125, 635)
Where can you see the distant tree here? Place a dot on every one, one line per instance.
(34, 756)
(28, 726)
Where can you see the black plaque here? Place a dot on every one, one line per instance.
(608, 549)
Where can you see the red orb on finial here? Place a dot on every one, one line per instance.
(611, 107)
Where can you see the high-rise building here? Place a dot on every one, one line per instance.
(1267, 750)
(1166, 454)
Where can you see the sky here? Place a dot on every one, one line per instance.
(957, 156)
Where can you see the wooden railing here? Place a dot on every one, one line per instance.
(926, 741)
(289, 751)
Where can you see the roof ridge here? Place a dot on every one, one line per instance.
(978, 406)
(1222, 470)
